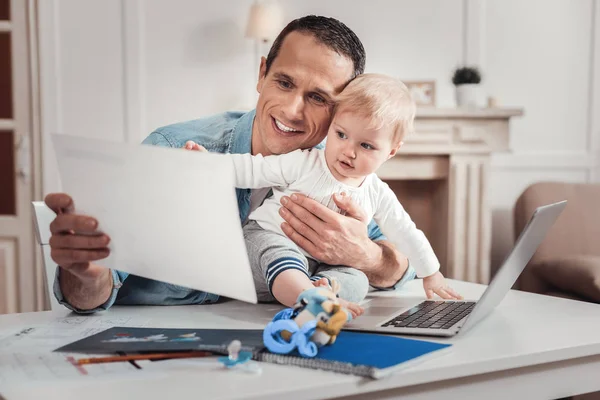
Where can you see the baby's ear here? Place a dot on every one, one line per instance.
(395, 149)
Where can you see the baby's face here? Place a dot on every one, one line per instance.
(354, 149)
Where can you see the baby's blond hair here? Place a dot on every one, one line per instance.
(384, 99)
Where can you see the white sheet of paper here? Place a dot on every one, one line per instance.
(18, 369)
(171, 214)
(27, 359)
(45, 338)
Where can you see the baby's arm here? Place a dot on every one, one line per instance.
(398, 227)
(396, 224)
(288, 285)
(254, 172)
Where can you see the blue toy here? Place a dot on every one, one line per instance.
(315, 320)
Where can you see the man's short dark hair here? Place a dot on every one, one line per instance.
(328, 31)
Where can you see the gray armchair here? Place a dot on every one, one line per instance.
(567, 263)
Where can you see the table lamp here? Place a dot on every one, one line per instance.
(264, 24)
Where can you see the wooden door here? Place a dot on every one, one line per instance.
(19, 277)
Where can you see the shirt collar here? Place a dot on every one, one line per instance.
(241, 139)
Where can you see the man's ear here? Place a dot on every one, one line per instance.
(395, 150)
(262, 72)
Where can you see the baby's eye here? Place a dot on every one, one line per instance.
(367, 146)
(341, 135)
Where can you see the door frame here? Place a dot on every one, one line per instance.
(25, 287)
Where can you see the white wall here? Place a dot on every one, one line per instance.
(540, 55)
(117, 69)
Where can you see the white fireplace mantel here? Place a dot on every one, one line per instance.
(441, 176)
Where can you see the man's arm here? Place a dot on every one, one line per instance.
(387, 268)
(75, 244)
(341, 239)
(87, 291)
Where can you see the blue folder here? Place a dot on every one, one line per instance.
(364, 354)
(358, 353)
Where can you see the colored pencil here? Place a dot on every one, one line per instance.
(149, 356)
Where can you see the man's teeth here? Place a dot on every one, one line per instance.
(283, 127)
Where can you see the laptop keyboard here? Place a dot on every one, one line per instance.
(432, 314)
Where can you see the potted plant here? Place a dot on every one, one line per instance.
(466, 79)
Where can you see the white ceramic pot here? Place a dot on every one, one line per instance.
(467, 95)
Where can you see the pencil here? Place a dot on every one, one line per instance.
(150, 356)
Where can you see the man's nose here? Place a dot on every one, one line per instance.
(294, 108)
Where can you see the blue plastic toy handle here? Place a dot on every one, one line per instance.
(300, 338)
(305, 346)
(283, 314)
(272, 336)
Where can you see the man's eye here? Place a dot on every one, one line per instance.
(285, 84)
(341, 135)
(367, 146)
(318, 99)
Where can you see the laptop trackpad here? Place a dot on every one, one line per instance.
(379, 311)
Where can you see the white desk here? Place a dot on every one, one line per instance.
(531, 346)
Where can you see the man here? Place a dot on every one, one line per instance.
(311, 61)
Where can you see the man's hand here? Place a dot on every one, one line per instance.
(436, 284)
(74, 241)
(327, 236)
(74, 244)
(191, 145)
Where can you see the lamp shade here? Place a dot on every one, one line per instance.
(264, 21)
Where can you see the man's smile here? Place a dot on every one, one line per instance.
(283, 129)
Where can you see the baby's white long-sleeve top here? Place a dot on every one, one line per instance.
(306, 172)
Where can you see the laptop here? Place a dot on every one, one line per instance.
(406, 316)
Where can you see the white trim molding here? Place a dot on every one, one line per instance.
(16, 228)
(7, 124)
(543, 160)
(594, 95)
(132, 25)
(5, 26)
(473, 31)
(9, 298)
(50, 79)
(36, 137)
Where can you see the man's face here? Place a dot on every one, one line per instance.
(296, 97)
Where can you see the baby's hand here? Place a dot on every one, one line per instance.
(323, 282)
(191, 145)
(354, 308)
(436, 284)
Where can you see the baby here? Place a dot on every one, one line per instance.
(371, 117)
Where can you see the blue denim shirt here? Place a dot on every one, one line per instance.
(229, 132)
